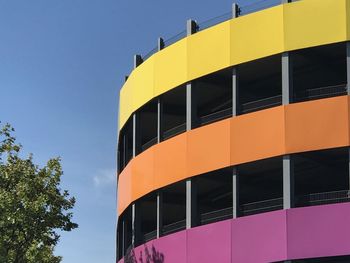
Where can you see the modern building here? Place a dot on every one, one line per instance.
(234, 141)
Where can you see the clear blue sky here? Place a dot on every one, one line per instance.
(62, 63)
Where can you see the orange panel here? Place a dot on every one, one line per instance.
(317, 124)
(298, 127)
(257, 135)
(170, 161)
(208, 148)
(143, 174)
(124, 189)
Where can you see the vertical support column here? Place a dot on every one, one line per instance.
(288, 166)
(235, 14)
(159, 120)
(235, 193)
(191, 107)
(191, 204)
(235, 95)
(133, 224)
(287, 79)
(134, 139)
(160, 43)
(159, 214)
(286, 1)
(288, 182)
(137, 61)
(348, 65)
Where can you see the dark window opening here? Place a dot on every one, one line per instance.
(173, 116)
(259, 84)
(173, 208)
(146, 126)
(321, 177)
(214, 196)
(125, 145)
(213, 95)
(336, 259)
(120, 239)
(260, 186)
(319, 72)
(146, 219)
(126, 231)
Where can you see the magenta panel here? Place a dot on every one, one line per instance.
(209, 243)
(172, 247)
(318, 231)
(259, 238)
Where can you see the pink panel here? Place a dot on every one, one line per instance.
(172, 247)
(121, 261)
(209, 243)
(319, 231)
(259, 238)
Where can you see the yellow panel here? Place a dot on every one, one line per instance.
(208, 50)
(143, 84)
(126, 100)
(286, 27)
(170, 67)
(313, 22)
(257, 35)
(348, 18)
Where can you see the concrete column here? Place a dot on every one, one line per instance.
(348, 65)
(191, 204)
(137, 61)
(160, 43)
(133, 224)
(159, 214)
(235, 10)
(287, 79)
(288, 182)
(235, 196)
(235, 96)
(191, 27)
(159, 120)
(134, 139)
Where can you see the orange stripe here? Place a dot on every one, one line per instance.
(298, 127)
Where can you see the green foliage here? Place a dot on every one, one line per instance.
(32, 205)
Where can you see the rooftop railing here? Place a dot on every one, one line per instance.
(243, 10)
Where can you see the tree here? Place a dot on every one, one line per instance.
(33, 208)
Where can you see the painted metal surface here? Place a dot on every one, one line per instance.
(287, 27)
(308, 232)
(293, 128)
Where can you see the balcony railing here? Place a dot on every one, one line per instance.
(261, 104)
(148, 144)
(243, 10)
(149, 236)
(215, 216)
(261, 206)
(174, 131)
(323, 198)
(320, 93)
(215, 116)
(174, 227)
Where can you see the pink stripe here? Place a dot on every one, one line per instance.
(307, 232)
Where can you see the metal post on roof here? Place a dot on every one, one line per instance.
(191, 27)
(235, 10)
(137, 61)
(160, 43)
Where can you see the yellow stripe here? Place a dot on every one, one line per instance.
(292, 26)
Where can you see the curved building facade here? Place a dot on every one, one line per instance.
(234, 141)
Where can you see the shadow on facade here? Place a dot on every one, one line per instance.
(144, 256)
